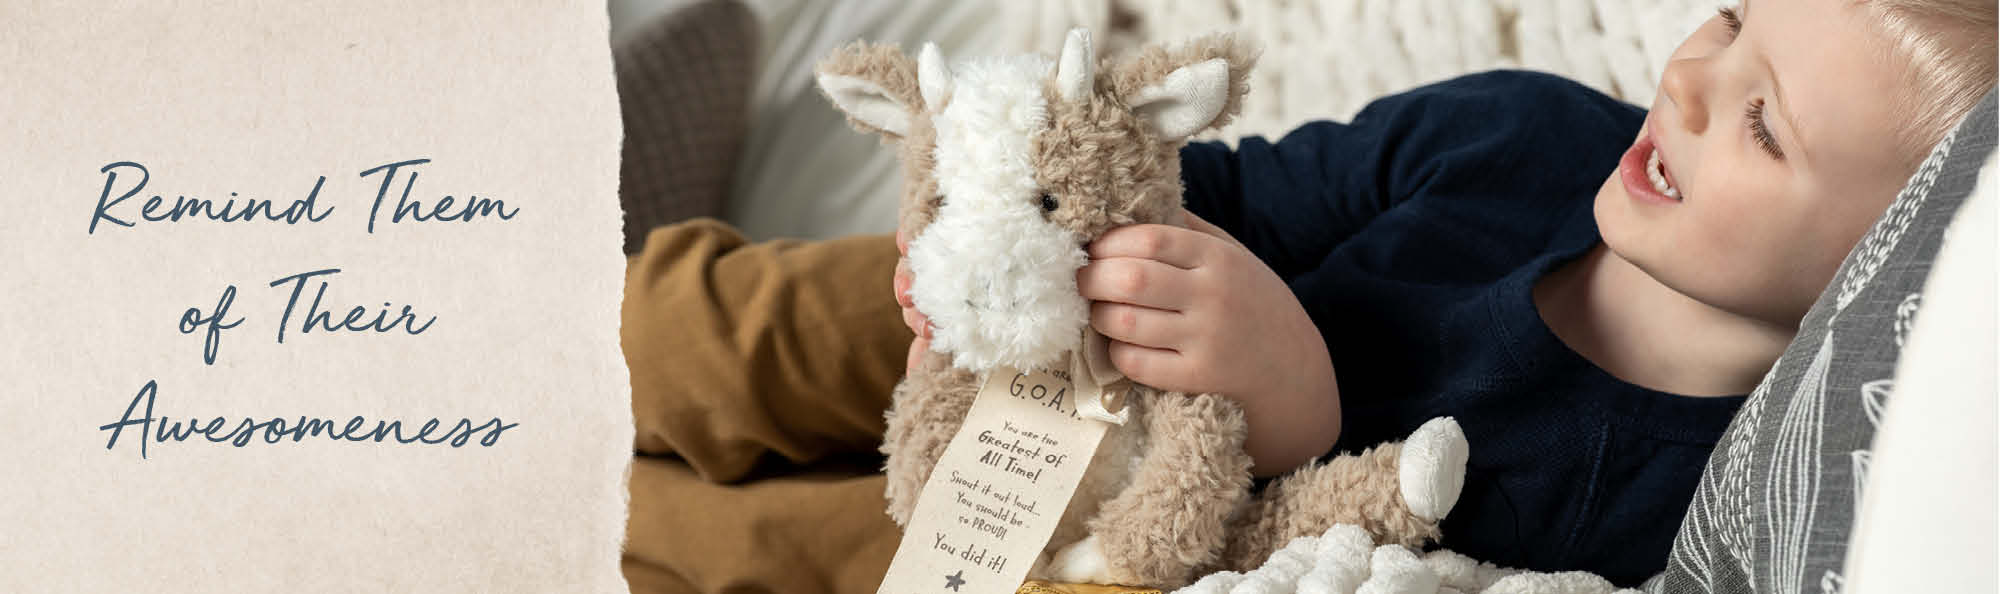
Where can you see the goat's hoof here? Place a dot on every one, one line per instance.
(1431, 468)
(1082, 562)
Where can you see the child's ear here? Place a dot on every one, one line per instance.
(877, 86)
(1182, 91)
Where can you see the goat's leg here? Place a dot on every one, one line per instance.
(1396, 492)
(1170, 520)
(926, 409)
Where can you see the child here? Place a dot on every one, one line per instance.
(1454, 250)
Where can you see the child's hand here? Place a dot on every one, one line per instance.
(1192, 310)
(916, 321)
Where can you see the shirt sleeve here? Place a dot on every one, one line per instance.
(1291, 202)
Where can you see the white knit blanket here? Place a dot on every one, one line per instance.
(1346, 561)
(1327, 58)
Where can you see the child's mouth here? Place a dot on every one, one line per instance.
(1657, 173)
(1644, 173)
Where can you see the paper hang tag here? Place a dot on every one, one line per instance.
(1090, 368)
(993, 499)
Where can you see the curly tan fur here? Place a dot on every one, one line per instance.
(1099, 160)
(920, 199)
(1087, 159)
(925, 411)
(1172, 519)
(1361, 490)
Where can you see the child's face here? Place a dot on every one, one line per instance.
(1775, 140)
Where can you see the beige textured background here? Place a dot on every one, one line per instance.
(511, 100)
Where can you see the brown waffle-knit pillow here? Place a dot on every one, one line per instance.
(683, 85)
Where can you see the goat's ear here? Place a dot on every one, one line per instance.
(875, 85)
(1183, 91)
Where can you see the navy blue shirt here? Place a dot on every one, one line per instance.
(1413, 235)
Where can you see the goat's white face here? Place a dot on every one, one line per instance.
(995, 264)
(996, 277)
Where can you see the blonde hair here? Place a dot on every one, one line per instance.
(1949, 47)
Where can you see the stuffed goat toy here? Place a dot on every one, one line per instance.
(1011, 166)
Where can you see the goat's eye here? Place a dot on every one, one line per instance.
(1048, 203)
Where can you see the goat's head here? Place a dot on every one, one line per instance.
(1012, 165)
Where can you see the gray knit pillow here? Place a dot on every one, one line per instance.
(683, 85)
(1778, 499)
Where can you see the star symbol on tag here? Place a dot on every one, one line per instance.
(955, 580)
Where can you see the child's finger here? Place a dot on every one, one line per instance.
(1146, 365)
(901, 284)
(1142, 282)
(917, 348)
(1165, 243)
(917, 322)
(1142, 326)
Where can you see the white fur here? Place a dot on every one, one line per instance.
(997, 280)
(867, 102)
(1186, 101)
(1431, 468)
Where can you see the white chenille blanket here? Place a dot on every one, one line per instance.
(1346, 561)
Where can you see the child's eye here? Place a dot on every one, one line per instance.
(1754, 115)
(1730, 20)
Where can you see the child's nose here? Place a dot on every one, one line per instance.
(1685, 85)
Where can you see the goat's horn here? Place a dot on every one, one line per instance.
(933, 77)
(1073, 70)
